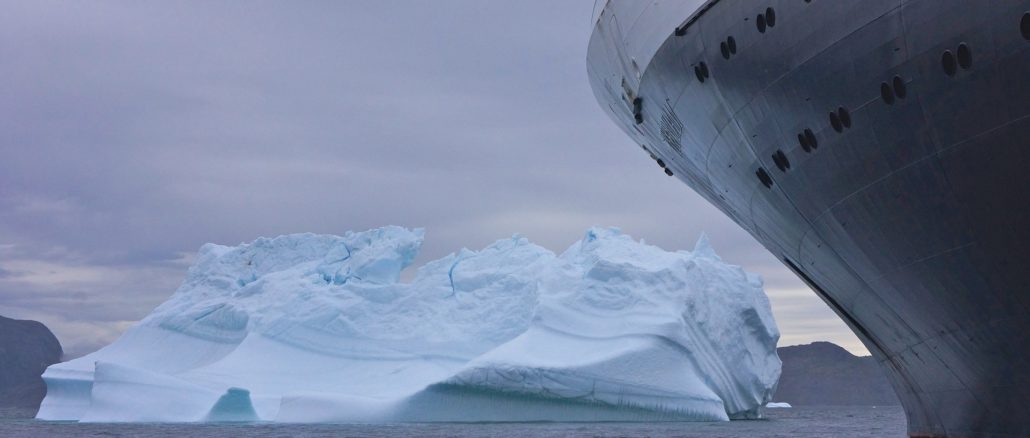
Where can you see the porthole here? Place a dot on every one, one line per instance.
(810, 136)
(760, 22)
(668, 172)
(804, 143)
(965, 56)
(770, 17)
(704, 70)
(835, 122)
(780, 159)
(764, 177)
(948, 63)
(660, 163)
(899, 87)
(724, 48)
(886, 93)
(697, 72)
(845, 117)
(1024, 25)
(732, 45)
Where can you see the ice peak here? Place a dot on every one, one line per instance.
(703, 248)
(596, 232)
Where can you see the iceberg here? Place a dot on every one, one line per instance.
(319, 328)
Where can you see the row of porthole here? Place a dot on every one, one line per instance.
(841, 119)
(806, 137)
(766, 20)
(659, 161)
(764, 177)
(781, 161)
(701, 71)
(807, 140)
(963, 57)
(728, 47)
(808, 143)
(895, 89)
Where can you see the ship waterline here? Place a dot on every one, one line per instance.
(880, 148)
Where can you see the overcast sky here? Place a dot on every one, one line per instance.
(134, 132)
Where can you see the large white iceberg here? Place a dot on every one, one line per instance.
(318, 328)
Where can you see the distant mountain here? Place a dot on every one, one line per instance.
(26, 349)
(822, 373)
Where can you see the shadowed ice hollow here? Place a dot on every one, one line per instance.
(317, 328)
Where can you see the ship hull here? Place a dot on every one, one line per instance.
(881, 150)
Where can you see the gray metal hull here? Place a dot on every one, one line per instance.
(907, 210)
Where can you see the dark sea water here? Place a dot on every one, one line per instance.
(833, 421)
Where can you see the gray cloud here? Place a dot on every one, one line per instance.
(135, 132)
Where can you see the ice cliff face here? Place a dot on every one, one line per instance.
(622, 323)
(309, 327)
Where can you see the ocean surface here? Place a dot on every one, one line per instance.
(828, 421)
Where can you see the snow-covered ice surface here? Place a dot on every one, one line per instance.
(317, 328)
(778, 405)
